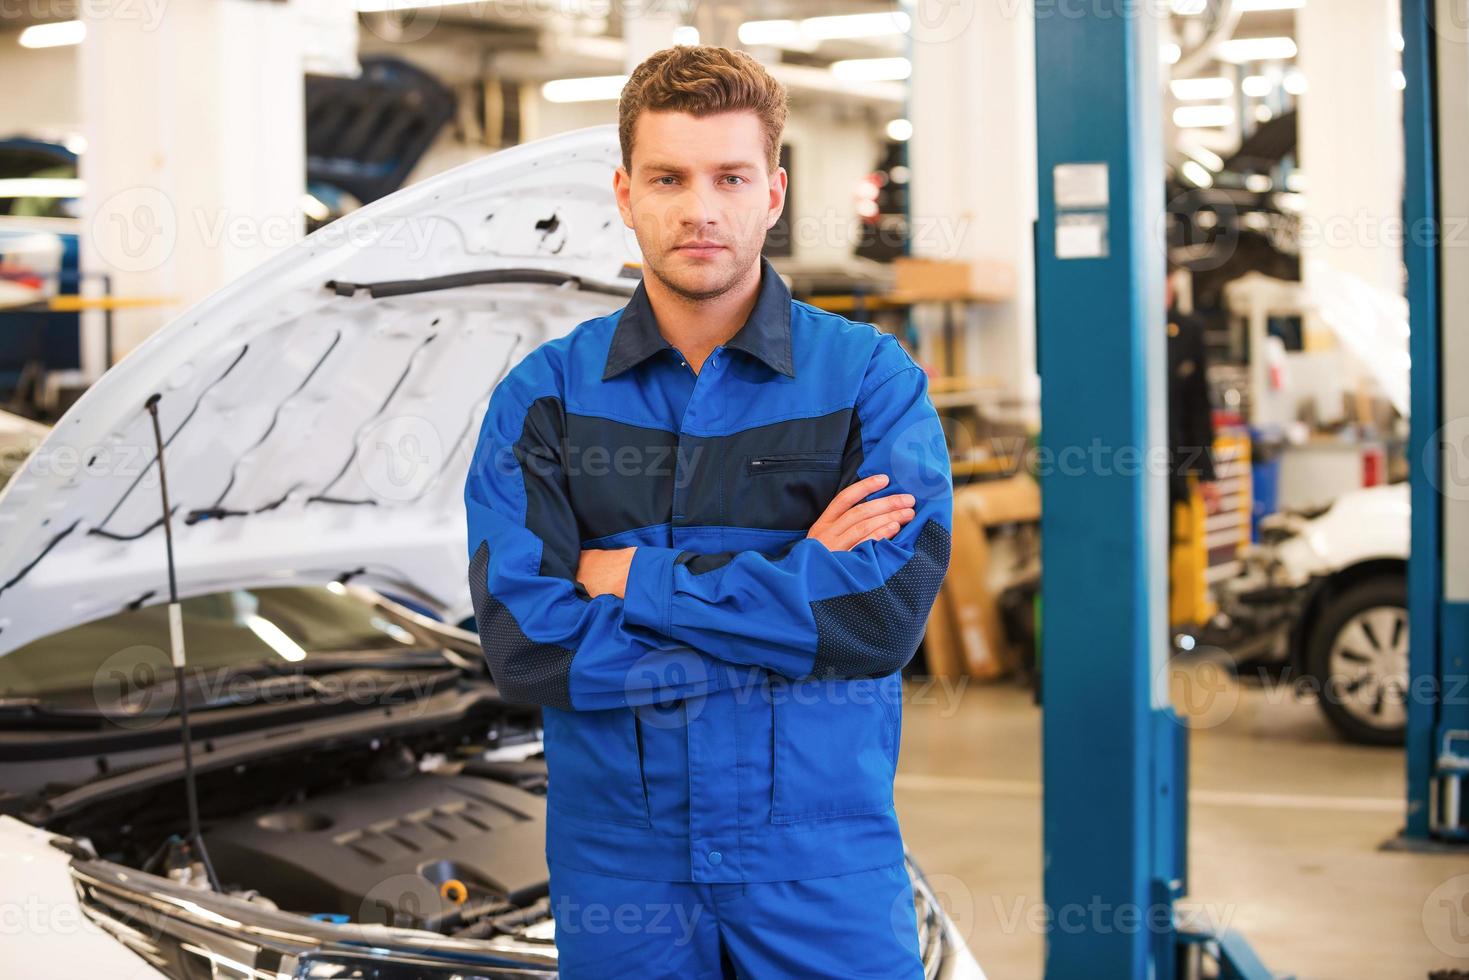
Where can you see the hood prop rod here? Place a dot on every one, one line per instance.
(176, 640)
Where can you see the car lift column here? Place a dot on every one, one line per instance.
(1436, 124)
(1114, 754)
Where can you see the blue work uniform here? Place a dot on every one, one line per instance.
(735, 719)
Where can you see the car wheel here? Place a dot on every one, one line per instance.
(1358, 653)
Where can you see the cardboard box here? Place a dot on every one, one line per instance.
(1015, 499)
(935, 280)
(980, 635)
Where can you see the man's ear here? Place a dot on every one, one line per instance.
(622, 191)
(777, 197)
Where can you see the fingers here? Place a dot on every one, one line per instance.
(874, 528)
(844, 500)
(872, 508)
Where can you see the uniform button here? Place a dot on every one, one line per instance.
(715, 857)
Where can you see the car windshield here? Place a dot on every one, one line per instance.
(284, 626)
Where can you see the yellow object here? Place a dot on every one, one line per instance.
(75, 304)
(454, 891)
(1205, 547)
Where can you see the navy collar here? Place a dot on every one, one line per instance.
(765, 335)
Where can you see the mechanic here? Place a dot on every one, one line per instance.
(705, 534)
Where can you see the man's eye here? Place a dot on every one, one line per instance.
(735, 177)
(660, 180)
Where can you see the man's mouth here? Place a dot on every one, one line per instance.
(700, 249)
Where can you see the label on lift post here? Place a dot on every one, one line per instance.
(1081, 210)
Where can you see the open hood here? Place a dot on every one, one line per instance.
(319, 413)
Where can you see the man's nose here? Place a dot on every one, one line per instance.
(695, 209)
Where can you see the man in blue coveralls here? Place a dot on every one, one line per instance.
(714, 614)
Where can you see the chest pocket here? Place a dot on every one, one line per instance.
(785, 491)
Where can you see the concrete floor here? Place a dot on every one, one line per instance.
(1286, 824)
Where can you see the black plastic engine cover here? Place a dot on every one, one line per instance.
(382, 852)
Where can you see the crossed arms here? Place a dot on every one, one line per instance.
(590, 630)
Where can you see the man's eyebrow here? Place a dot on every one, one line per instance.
(674, 168)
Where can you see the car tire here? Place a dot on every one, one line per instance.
(1357, 653)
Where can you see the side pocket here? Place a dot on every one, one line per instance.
(834, 749)
(594, 765)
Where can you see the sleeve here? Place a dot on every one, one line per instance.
(545, 639)
(812, 611)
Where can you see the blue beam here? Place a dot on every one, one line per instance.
(1420, 254)
(1101, 354)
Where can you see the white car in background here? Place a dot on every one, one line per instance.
(1327, 598)
(370, 806)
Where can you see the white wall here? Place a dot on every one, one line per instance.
(43, 96)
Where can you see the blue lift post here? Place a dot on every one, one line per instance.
(1436, 141)
(1114, 752)
(1420, 206)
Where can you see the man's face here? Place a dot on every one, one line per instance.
(700, 198)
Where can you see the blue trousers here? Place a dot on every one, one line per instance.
(843, 927)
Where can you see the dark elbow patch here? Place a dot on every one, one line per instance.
(525, 671)
(873, 633)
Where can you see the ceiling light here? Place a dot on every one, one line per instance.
(780, 33)
(1171, 53)
(54, 35)
(900, 130)
(1294, 83)
(1242, 49)
(1202, 116)
(313, 208)
(1188, 8)
(1259, 183)
(1257, 86)
(62, 187)
(1205, 156)
(685, 35)
(398, 6)
(872, 69)
(1263, 113)
(806, 34)
(1201, 89)
(1197, 175)
(593, 89)
(1254, 6)
(850, 26)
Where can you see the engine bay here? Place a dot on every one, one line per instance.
(442, 830)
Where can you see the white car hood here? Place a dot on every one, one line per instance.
(316, 432)
(1362, 525)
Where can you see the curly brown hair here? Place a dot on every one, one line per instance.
(702, 79)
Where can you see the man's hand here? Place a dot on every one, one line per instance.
(847, 523)
(604, 570)
(842, 526)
